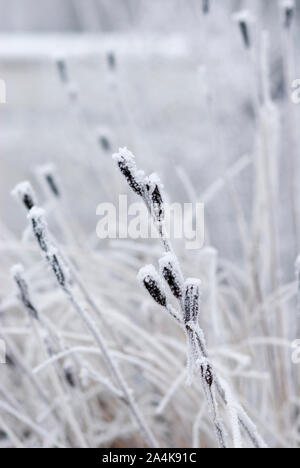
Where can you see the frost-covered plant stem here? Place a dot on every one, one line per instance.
(40, 231)
(149, 188)
(34, 316)
(26, 195)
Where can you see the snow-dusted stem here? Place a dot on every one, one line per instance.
(40, 231)
(187, 293)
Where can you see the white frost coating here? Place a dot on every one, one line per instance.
(46, 169)
(135, 178)
(170, 259)
(23, 188)
(36, 213)
(288, 4)
(149, 271)
(232, 412)
(196, 282)
(17, 270)
(243, 16)
(154, 180)
(125, 154)
(170, 270)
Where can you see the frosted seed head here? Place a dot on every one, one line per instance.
(192, 299)
(170, 270)
(25, 193)
(154, 189)
(104, 139)
(61, 64)
(244, 18)
(69, 373)
(17, 273)
(17, 270)
(126, 163)
(60, 270)
(205, 6)
(206, 371)
(288, 7)
(111, 61)
(48, 173)
(149, 277)
(39, 226)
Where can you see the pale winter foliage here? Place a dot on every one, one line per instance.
(142, 343)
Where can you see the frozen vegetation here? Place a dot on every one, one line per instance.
(141, 342)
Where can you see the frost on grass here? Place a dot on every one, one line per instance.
(192, 299)
(151, 280)
(25, 194)
(62, 69)
(154, 189)
(40, 230)
(170, 271)
(17, 272)
(288, 7)
(127, 166)
(244, 18)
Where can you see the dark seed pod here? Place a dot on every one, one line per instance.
(125, 161)
(289, 12)
(69, 374)
(105, 143)
(170, 270)
(28, 202)
(70, 378)
(152, 282)
(207, 374)
(245, 33)
(10, 360)
(130, 177)
(24, 192)
(205, 6)
(47, 173)
(157, 203)
(62, 70)
(111, 61)
(52, 185)
(244, 18)
(58, 270)
(192, 299)
(39, 228)
(18, 276)
(153, 187)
